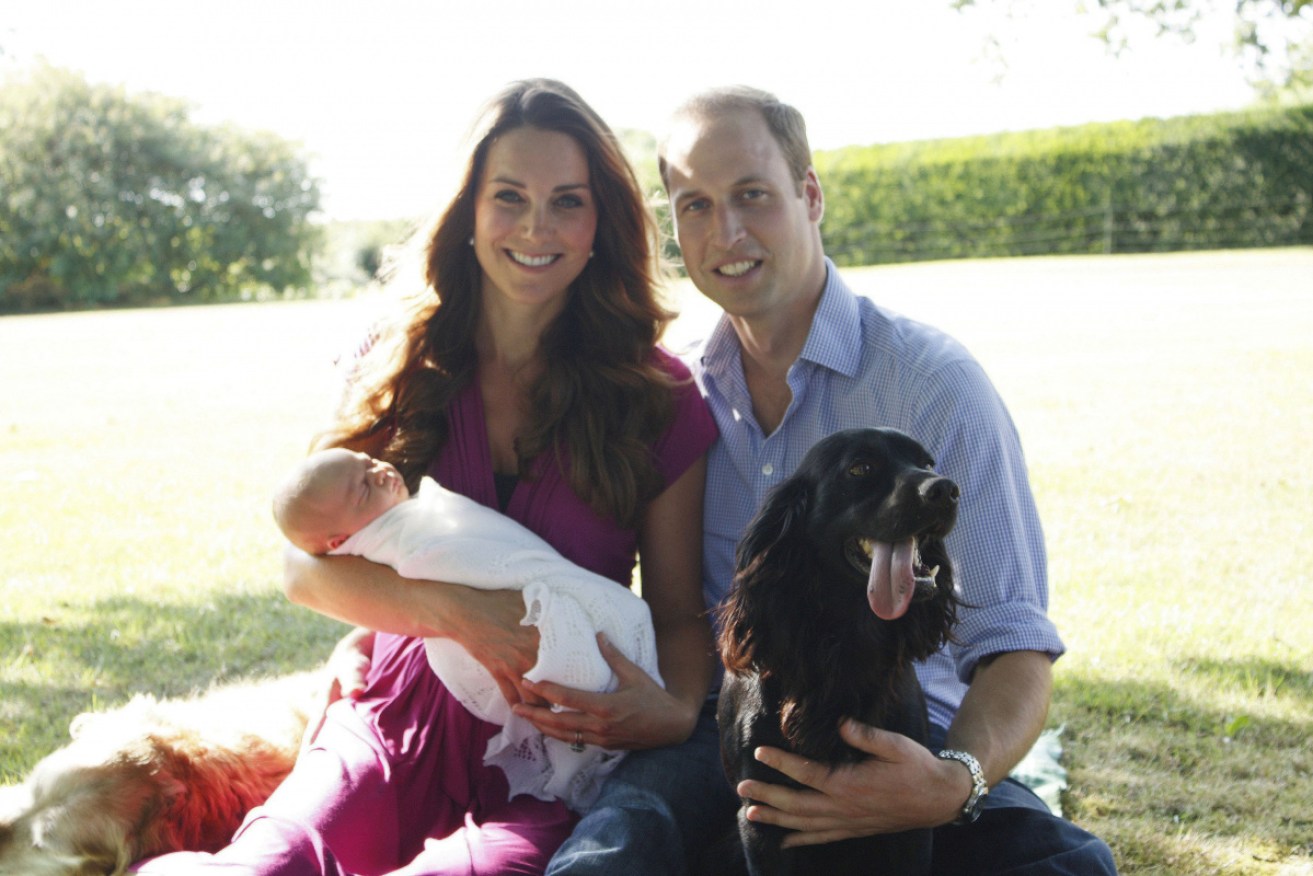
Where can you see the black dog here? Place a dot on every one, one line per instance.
(842, 583)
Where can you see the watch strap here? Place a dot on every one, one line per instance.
(979, 788)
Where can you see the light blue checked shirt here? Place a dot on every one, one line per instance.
(865, 366)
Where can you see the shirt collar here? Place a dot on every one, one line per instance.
(833, 341)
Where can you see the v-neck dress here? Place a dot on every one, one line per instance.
(396, 777)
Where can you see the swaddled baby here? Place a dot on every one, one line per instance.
(343, 502)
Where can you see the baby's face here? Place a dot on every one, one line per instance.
(358, 487)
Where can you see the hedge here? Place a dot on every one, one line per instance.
(1230, 180)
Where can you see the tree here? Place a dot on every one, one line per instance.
(107, 198)
(1274, 36)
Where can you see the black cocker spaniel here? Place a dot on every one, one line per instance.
(842, 584)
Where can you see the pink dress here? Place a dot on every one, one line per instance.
(395, 782)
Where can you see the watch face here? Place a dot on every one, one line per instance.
(972, 810)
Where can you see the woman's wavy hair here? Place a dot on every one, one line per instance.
(602, 398)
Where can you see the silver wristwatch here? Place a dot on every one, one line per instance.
(971, 809)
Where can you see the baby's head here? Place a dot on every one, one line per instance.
(334, 494)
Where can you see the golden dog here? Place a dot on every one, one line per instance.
(155, 776)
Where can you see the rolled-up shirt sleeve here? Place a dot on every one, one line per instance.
(997, 547)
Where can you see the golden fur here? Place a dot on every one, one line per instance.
(154, 776)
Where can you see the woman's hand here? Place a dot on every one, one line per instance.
(485, 622)
(489, 628)
(639, 713)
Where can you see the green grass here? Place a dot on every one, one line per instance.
(1165, 402)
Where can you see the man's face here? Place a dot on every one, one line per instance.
(748, 230)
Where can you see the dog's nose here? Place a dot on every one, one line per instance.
(940, 492)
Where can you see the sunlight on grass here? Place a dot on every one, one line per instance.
(1164, 403)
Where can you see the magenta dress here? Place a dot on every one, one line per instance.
(395, 782)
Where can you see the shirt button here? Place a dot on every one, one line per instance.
(768, 469)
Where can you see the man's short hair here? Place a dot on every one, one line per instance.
(783, 121)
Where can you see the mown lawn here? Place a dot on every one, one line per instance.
(1166, 404)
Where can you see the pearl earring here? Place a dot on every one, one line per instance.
(471, 240)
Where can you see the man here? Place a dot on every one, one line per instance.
(796, 357)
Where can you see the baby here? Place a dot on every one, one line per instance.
(334, 494)
(342, 502)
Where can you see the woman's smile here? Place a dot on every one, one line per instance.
(534, 219)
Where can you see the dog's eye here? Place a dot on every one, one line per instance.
(861, 469)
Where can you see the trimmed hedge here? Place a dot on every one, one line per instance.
(1220, 181)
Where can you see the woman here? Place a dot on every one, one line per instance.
(528, 378)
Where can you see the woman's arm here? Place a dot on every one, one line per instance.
(372, 595)
(670, 550)
(639, 713)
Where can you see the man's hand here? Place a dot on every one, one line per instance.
(903, 786)
(638, 714)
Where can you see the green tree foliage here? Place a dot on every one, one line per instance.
(1202, 182)
(112, 199)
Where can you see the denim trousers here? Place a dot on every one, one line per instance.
(657, 808)
(1017, 834)
(663, 807)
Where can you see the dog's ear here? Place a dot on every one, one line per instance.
(61, 839)
(772, 562)
(777, 527)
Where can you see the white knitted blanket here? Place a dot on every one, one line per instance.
(444, 536)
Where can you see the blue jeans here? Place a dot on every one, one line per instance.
(661, 807)
(1016, 834)
(657, 808)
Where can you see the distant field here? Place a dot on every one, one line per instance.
(1165, 403)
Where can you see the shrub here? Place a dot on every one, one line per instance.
(1230, 180)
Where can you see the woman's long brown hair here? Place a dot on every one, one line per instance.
(601, 400)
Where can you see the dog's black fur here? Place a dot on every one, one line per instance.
(802, 646)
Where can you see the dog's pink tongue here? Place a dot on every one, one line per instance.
(891, 585)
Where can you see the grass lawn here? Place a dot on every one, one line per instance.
(1165, 402)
